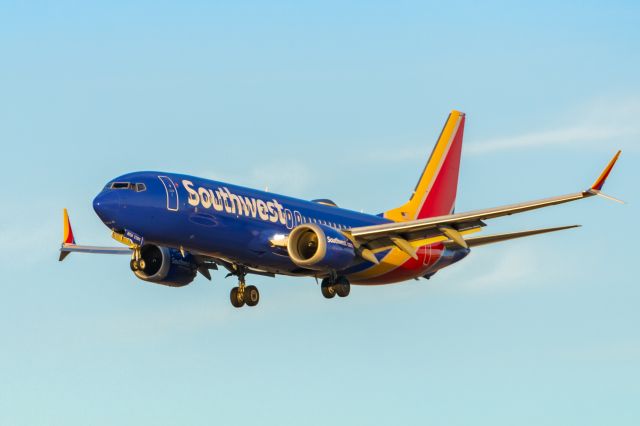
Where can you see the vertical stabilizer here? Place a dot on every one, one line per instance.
(435, 193)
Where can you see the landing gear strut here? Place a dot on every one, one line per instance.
(335, 285)
(244, 293)
(137, 262)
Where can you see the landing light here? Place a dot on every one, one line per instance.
(279, 240)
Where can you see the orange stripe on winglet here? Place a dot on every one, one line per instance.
(605, 173)
(67, 237)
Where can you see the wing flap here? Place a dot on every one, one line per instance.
(409, 233)
(416, 241)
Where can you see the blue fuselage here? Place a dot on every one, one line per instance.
(215, 218)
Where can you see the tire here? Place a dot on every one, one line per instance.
(235, 300)
(343, 288)
(251, 295)
(134, 265)
(327, 288)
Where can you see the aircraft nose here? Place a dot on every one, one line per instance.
(107, 206)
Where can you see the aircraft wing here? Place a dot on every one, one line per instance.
(74, 248)
(401, 234)
(69, 243)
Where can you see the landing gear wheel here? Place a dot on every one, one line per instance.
(134, 265)
(142, 264)
(237, 299)
(251, 295)
(342, 286)
(327, 288)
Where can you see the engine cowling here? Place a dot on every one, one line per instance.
(320, 248)
(166, 266)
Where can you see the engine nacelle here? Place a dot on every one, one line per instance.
(166, 266)
(320, 248)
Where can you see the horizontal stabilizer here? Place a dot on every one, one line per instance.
(496, 238)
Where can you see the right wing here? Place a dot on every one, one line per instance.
(69, 243)
(74, 248)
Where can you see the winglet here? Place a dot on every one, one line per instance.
(597, 185)
(67, 236)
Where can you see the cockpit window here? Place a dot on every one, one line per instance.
(137, 187)
(120, 185)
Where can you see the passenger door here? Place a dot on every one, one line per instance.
(172, 193)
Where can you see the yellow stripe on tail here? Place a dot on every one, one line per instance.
(435, 193)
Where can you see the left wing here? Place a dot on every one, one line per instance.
(69, 243)
(402, 234)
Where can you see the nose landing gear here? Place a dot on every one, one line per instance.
(137, 262)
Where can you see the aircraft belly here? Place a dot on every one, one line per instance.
(395, 268)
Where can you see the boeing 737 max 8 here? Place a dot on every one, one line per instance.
(175, 226)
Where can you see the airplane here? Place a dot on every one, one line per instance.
(175, 226)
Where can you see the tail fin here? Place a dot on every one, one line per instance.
(435, 193)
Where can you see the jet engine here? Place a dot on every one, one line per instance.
(166, 266)
(320, 247)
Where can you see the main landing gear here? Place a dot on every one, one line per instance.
(244, 294)
(335, 285)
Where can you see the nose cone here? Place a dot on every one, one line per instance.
(107, 206)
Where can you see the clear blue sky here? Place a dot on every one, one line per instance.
(322, 99)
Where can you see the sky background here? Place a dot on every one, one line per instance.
(337, 99)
